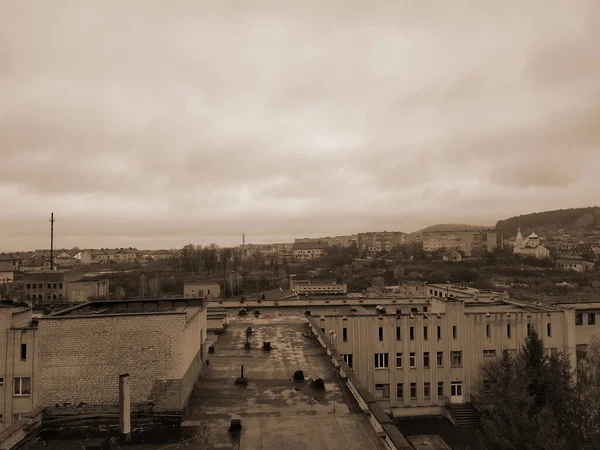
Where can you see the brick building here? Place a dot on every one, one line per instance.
(44, 287)
(78, 354)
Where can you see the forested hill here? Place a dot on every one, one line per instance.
(561, 218)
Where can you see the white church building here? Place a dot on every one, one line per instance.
(530, 246)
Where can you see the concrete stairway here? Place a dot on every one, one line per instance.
(464, 415)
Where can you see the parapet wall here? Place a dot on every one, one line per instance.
(388, 433)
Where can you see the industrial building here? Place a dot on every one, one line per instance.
(308, 287)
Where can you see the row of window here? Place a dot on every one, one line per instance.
(41, 285)
(590, 316)
(382, 360)
(382, 391)
(41, 297)
(488, 331)
(22, 385)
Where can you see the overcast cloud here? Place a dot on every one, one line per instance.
(153, 123)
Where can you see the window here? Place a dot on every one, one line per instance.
(28, 286)
(489, 353)
(60, 285)
(456, 359)
(508, 330)
(591, 318)
(413, 391)
(424, 308)
(381, 360)
(427, 389)
(23, 352)
(208, 292)
(53, 296)
(49, 286)
(439, 332)
(54, 285)
(412, 360)
(398, 359)
(426, 360)
(22, 386)
(549, 329)
(399, 391)
(412, 333)
(579, 319)
(398, 334)
(488, 331)
(381, 333)
(39, 285)
(382, 391)
(440, 388)
(440, 359)
(17, 417)
(344, 334)
(347, 359)
(28, 297)
(528, 329)
(454, 332)
(1, 381)
(425, 332)
(323, 330)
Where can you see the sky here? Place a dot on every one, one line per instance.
(154, 124)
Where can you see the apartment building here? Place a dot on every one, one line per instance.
(468, 242)
(308, 287)
(70, 361)
(414, 356)
(17, 346)
(380, 241)
(44, 287)
(108, 256)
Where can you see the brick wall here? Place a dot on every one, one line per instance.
(79, 361)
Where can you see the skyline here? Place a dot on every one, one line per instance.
(152, 126)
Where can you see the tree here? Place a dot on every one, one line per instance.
(588, 396)
(436, 277)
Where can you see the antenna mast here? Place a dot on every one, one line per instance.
(51, 241)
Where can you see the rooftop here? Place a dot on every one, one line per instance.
(276, 412)
(127, 307)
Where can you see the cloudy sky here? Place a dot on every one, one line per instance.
(154, 124)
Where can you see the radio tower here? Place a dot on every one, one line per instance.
(51, 241)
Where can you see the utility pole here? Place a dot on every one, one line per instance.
(51, 241)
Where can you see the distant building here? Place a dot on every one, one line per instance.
(202, 289)
(380, 241)
(342, 241)
(530, 246)
(468, 242)
(309, 250)
(307, 287)
(452, 256)
(86, 289)
(44, 287)
(7, 272)
(109, 256)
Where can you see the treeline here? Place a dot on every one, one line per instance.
(573, 217)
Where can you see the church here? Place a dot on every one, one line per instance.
(530, 246)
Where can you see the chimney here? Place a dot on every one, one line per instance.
(124, 406)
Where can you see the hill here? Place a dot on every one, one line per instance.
(445, 227)
(561, 218)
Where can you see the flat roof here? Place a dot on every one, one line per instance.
(275, 412)
(189, 306)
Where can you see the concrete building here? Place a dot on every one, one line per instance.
(417, 356)
(309, 250)
(86, 289)
(468, 242)
(308, 287)
(530, 246)
(44, 287)
(17, 347)
(201, 288)
(380, 241)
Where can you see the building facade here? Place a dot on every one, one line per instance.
(203, 289)
(380, 241)
(17, 347)
(309, 250)
(86, 289)
(308, 287)
(417, 356)
(468, 242)
(44, 287)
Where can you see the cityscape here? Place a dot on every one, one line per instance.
(299, 225)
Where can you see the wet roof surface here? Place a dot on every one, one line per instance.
(276, 413)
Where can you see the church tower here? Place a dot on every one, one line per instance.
(519, 239)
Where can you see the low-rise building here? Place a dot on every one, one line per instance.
(309, 250)
(201, 288)
(570, 265)
(530, 246)
(44, 287)
(308, 287)
(7, 272)
(86, 289)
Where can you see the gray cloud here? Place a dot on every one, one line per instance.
(142, 123)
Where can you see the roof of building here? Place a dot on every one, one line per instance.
(5, 266)
(309, 246)
(128, 307)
